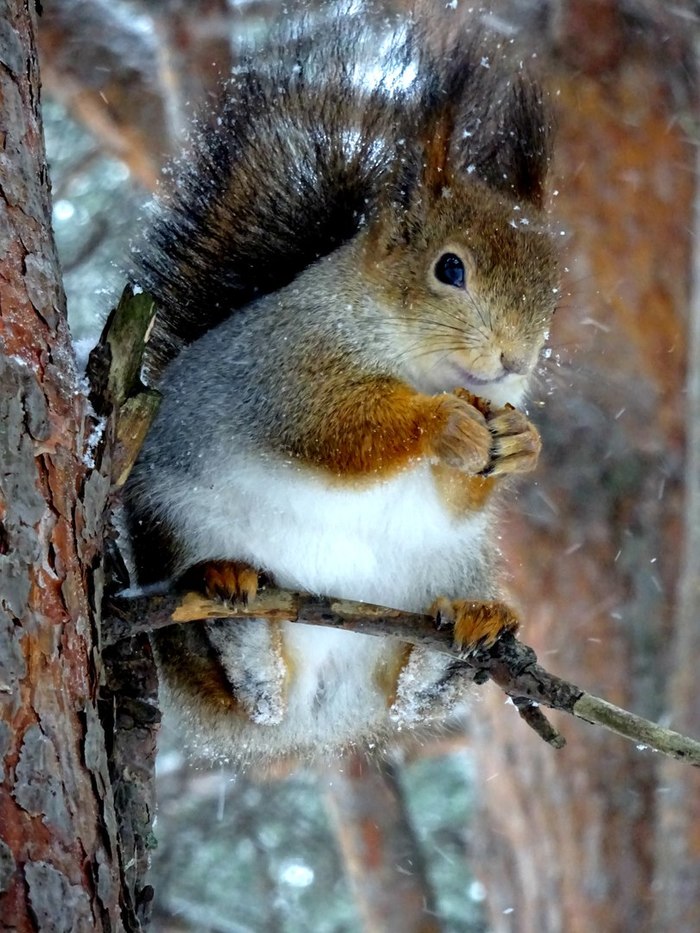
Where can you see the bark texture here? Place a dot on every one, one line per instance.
(58, 833)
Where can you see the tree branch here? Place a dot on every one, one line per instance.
(509, 663)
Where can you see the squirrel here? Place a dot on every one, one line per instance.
(354, 278)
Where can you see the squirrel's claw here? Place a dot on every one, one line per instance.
(233, 581)
(465, 441)
(475, 624)
(512, 445)
(515, 445)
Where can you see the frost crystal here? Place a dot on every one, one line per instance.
(92, 442)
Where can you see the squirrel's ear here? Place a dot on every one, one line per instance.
(516, 157)
(437, 148)
(423, 169)
(475, 113)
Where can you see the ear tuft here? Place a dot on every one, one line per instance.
(474, 110)
(516, 157)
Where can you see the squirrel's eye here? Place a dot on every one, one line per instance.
(450, 269)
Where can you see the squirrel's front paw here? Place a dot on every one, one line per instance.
(475, 624)
(515, 444)
(465, 441)
(515, 441)
(230, 580)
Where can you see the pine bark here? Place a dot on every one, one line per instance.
(59, 865)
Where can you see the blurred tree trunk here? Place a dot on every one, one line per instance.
(195, 53)
(62, 861)
(135, 82)
(568, 839)
(677, 869)
(105, 69)
(382, 856)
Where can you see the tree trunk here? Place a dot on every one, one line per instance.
(382, 857)
(677, 869)
(568, 840)
(59, 866)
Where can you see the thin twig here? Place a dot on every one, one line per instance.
(509, 663)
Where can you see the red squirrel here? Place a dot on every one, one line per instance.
(355, 278)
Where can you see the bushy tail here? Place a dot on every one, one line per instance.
(312, 136)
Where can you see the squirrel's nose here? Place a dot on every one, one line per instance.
(514, 364)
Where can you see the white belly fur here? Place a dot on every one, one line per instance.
(389, 542)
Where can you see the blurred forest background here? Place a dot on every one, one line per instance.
(487, 828)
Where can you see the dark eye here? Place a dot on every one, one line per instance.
(450, 270)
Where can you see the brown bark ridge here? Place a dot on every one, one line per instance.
(381, 854)
(568, 841)
(59, 850)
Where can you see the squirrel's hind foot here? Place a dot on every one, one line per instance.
(230, 580)
(475, 624)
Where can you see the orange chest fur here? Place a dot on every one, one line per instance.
(459, 492)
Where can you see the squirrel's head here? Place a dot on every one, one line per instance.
(459, 254)
(468, 290)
